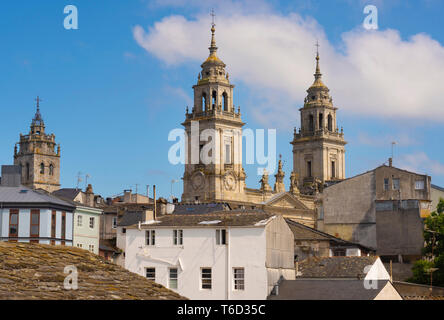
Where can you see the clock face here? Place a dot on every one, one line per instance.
(230, 182)
(197, 181)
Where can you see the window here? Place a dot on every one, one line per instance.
(239, 278)
(221, 236)
(13, 223)
(27, 171)
(330, 122)
(53, 224)
(395, 184)
(79, 220)
(172, 283)
(91, 222)
(227, 158)
(419, 185)
(35, 223)
(42, 168)
(63, 233)
(321, 121)
(178, 237)
(150, 273)
(205, 278)
(114, 222)
(339, 253)
(79, 245)
(333, 169)
(150, 237)
(309, 169)
(91, 247)
(386, 184)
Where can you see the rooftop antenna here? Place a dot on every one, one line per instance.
(393, 145)
(86, 180)
(79, 179)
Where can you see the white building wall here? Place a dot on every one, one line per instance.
(84, 234)
(24, 223)
(24, 227)
(246, 248)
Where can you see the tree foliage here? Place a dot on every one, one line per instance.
(433, 251)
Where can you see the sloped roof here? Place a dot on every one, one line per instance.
(24, 195)
(36, 271)
(334, 267)
(236, 218)
(199, 208)
(130, 218)
(302, 232)
(68, 193)
(319, 289)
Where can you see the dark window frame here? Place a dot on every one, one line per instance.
(33, 235)
(11, 213)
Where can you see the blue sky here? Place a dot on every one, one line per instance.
(111, 97)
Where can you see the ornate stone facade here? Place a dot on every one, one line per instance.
(38, 157)
(213, 168)
(318, 146)
(213, 113)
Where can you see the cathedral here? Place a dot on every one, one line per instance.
(38, 156)
(318, 148)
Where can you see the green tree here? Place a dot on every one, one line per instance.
(433, 250)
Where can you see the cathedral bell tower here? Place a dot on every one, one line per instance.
(37, 156)
(318, 146)
(213, 169)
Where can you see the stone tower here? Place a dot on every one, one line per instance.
(37, 156)
(318, 147)
(213, 169)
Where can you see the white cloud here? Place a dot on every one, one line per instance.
(420, 162)
(373, 73)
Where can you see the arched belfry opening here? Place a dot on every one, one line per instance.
(225, 101)
(321, 121)
(203, 105)
(213, 100)
(330, 123)
(310, 122)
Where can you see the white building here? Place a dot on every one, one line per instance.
(221, 255)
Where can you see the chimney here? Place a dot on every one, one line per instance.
(390, 162)
(127, 196)
(155, 205)
(149, 215)
(89, 196)
(11, 176)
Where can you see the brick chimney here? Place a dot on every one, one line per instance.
(89, 196)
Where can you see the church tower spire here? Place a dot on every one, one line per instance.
(318, 146)
(223, 177)
(37, 156)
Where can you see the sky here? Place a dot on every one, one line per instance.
(114, 88)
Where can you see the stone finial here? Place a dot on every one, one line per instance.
(264, 182)
(294, 183)
(279, 184)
